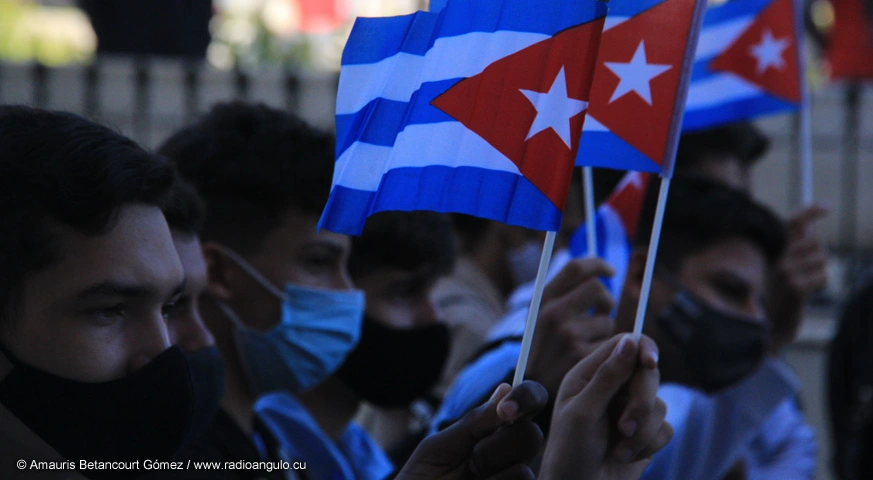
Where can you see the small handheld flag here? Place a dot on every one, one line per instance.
(747, 64)
(477, 109)
(639, 86)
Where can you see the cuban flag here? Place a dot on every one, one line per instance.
(747, 63)
(477, 109)
(616, 223)
(639, 83)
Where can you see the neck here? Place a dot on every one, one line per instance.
(238, 399)
(333, 406)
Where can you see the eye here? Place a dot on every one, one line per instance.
(107, 315)
(175, 306)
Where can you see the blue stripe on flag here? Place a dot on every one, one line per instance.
(501, 196)
(629, 8)
(605, 149)
(375, 39)
(387, 118)
(735, 111)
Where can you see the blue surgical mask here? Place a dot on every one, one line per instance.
(317, 331)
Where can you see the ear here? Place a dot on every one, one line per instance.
(220, 272)
(633, 282)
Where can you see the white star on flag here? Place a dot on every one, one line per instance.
(768, 53)
(554, 109)
(636, 75)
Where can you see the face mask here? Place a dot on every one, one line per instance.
(145, 415)
(720, 349)
(391, 367)
(524, 262)
(207, 378)
(317, 331)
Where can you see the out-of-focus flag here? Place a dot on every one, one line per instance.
(639, 85)
(850, 41)
(747, 63)
(616, 223)
(477, 109)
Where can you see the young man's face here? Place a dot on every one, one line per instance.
(293, 253)
(184, 324)
(729, 276)
(98, 313)
(399, 298)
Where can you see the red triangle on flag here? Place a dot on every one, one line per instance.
(766, 53)
(530, 105)
(638, 72)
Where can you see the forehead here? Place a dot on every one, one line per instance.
(298, 230)
(737, 257)
(137, 249)
(191, 256)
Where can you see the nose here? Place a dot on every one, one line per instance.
(189, 332)
(147, 340)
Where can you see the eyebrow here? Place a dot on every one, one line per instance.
(110, 288)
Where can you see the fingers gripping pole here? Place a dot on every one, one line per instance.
(587, 179)
(533, 311)
(650, 258)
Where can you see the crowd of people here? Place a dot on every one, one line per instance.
(178, 314)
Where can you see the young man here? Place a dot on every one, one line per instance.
(279, 301)
(707, 312)
(87, 371)
(402, 350)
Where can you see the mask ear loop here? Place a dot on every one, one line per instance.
(252, 271)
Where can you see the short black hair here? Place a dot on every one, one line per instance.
(701, 213)
(405, 240)
(250, 163)
(184, 209)
(742, 140)
(58, 169)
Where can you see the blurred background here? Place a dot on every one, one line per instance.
(148, 66)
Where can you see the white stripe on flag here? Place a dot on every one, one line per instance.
(715, 39)
(613, 21)
(592, 125)
(399, 76)
(448, 144)
(717, 90)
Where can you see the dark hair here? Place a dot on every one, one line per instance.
(250, 162)
(58, 169)
(701, 213)
(404, 240)
(742, 140)
(184, 209)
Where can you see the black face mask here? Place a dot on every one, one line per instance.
(207, 378)
(719, 349)
(391, 367)
(145, 415)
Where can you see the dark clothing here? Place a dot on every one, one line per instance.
(224, 441)
(850, 389)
